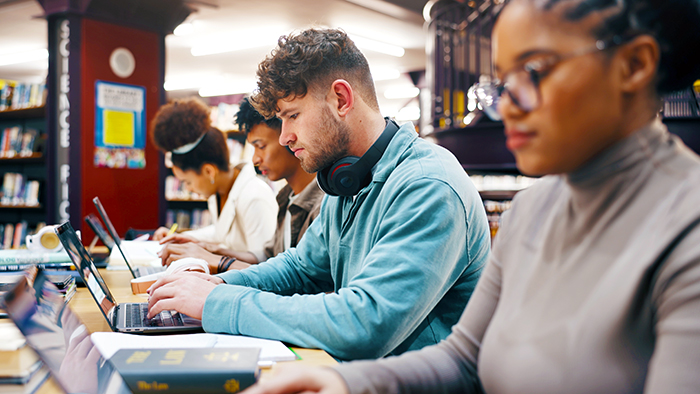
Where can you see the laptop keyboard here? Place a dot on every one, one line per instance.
(136, 317)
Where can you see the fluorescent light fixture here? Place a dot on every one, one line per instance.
(385, 8)
(408, 113)
(401, 92)
(184, 29)
(190, 83)
(377, 46)
(236, 42)
(24, 57)
(228, 88)
(384, 74)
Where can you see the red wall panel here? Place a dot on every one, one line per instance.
(130, 196)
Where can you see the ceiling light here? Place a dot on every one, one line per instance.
(192, 82)
(184, 29)
(237, 42)
(228, 88)
(383, 74)
(23, 57)
(377, 46)
(401, 92)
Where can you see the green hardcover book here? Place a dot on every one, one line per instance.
(201, 370)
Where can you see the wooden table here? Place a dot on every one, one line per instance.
(118, 281)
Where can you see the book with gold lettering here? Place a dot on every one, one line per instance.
(198, 370)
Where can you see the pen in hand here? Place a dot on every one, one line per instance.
(172, 229)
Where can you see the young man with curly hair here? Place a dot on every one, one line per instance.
(386, 267)
(299, 201)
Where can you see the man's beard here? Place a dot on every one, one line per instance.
(333, 147)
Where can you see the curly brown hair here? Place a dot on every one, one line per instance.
(182, 122)
(310, 61)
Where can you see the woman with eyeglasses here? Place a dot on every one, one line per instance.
(593, 285)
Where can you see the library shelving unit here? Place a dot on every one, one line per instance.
(459, 55)
(180, 205)
(32, 166)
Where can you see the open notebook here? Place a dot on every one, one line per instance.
(271, 351)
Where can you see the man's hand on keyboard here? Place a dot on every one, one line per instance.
(184, 293)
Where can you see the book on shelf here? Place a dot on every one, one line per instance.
(17, 141)
(682, 104)
(175, 190)
(18, 95)
(17, 190)
(188, 219)
(9, 233)
(188, 370)
(20, 233)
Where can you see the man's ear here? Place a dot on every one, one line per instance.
(640, 61)
(343, 96)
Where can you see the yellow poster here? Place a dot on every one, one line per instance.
(118, 127)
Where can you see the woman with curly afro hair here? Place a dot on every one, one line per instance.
(242, 206)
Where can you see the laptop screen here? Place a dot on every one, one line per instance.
(112, 231)
(99, 230)
(83, 263)
(60, 339)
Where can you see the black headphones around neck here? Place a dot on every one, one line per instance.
(347, 176)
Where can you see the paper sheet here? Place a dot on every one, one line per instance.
(109, 342)
(12, 338)
(139, 253)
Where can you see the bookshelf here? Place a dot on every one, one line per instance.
(27, 160)
(459, 56)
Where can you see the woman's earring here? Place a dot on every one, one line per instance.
(212, 181)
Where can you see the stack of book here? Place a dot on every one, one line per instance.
(63, 280)
(21, 370)
(16, 141)
(14, 260)
(17, 190)
(18, 95)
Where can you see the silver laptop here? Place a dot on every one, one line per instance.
(128, 317)
(136, 272)
(60, 339)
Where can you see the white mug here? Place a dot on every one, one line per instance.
(45, 240)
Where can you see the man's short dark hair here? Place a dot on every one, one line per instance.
(311, 61)
(248, 117)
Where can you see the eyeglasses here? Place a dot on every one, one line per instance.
(523, 83)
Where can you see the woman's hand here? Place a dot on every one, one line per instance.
(298, 379)
(161, 233)
(176, 238)
(174, 251)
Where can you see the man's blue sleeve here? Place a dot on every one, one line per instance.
(419, 253)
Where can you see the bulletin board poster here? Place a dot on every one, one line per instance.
(120, 125)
